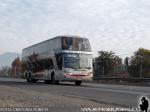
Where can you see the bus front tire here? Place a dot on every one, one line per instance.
(48, 81)
(78, 83)
(34, 80)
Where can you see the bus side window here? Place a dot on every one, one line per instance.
(75, 44)
(51, 64)
(65, 43)
(70, 43)
(48, 64)
(59, 61)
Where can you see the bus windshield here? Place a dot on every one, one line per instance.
(78, 61)
(75, 44)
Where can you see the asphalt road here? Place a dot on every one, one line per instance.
(119, 95)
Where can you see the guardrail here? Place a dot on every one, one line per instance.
(127, 79)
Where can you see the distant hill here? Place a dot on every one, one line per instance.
(7, 58)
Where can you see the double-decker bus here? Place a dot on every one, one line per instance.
(63, 58)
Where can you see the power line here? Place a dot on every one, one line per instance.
(125, 54)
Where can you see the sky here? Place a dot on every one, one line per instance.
(121, 26)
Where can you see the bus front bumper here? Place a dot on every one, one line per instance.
(75, 77)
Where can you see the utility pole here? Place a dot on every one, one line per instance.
(141, 66)
(115, 66)
(103, 67)
(15, 71)
(126, 64)
(103, 70)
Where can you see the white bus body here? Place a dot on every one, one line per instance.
(63, 58)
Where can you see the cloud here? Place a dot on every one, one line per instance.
(119, 25)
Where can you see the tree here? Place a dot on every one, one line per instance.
(5, 71)
(16, 66)
(140, 63)
(107, 62)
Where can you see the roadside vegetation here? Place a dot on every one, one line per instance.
(139, 65)
(107, 64)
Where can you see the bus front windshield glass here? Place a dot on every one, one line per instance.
(75, 44)
(78, 61)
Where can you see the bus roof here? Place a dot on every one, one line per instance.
(55, 38)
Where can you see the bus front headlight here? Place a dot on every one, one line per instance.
(68, 73)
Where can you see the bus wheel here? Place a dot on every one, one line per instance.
(53, 81)
(34, 80)
(53, 78)
(29, 79)
(47, 81)
(57, 82)
(78, 83)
